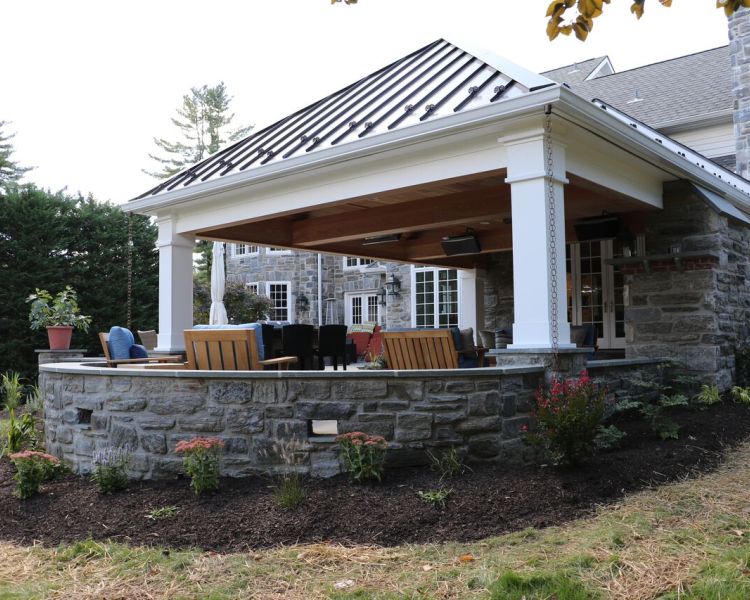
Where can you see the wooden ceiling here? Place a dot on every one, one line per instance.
(422, 216)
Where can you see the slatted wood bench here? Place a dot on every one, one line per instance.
(422, 349)
(227, 350)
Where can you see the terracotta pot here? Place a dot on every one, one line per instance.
(59, 337)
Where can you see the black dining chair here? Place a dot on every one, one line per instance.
(297, 340)
(268, 340)
(332, 342)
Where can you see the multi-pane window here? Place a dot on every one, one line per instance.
(274, 250)
(352, 262)
(243, 249)
(278, 292)
(436, 297)
(253, 288)
(362, 308)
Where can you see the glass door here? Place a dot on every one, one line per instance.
(362, 308)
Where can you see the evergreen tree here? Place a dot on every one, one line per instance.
(10, 172)
(203, 122)
(51, 240)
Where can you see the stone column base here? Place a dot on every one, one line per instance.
(567, 362)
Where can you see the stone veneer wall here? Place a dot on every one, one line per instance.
(739, 48)
(695, 310)
(87, 408)
(498, 291)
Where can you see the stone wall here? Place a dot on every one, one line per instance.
(87, 408)
(739, 47)
(498, 291)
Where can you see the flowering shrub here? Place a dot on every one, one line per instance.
(201, 460)
(363, 454)
(568, 416)
(32, 468)
(109, 469)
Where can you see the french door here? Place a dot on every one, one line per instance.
(596, 290)
(362, 308)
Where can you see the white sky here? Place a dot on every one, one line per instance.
(88, 84)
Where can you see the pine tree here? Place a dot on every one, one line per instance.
(10, 172)
(203, 122)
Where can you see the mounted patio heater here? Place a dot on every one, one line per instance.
(461, 244)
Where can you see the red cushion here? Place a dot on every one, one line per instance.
(361, 339)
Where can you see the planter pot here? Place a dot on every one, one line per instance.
(59, 337)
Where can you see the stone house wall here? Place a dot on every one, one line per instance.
(87, 408)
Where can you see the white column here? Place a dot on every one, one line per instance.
(175, 285)
(533, 242)
(470, 301)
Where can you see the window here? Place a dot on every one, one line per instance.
(278, 292)
(353, 262)
(435, 297)
(243, 249)
(273, 250)
(253, 288)
(362, 308)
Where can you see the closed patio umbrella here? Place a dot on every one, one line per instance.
(218, 312)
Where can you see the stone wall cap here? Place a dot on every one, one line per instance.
(512, 351)
(69, 351)
(80, 368)
(624, 362)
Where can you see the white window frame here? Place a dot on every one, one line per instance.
(257, 285)
(364, 294)
(358, 264)
(436, 299)
(289, 299)
(247, 252)
(277, 251)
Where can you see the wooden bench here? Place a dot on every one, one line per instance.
(124, 362)
(423, 349)
(227, 350)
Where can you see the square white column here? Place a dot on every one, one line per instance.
(538, 222)
(175, 285)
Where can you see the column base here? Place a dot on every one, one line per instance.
(570, 359)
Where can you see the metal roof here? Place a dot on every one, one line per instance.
(436, 81)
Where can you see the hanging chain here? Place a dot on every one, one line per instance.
(551, 213)
(130, 270)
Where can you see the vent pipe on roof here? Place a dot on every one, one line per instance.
(739, 53)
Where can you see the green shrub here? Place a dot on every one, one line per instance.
(12, 390)
(363, 455)
(32, 468)
(162, 512)
(436, 498)
(568, 417)
(708, 395)
(741, 395)
(110, 466)
(202, 461)
(20, 432)
(448, 463)
(608, 437)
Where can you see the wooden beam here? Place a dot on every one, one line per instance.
(417, 215)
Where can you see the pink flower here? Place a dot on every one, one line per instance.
(199, 443)
(30, 454)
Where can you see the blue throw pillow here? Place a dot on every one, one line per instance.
(138, 351)
(120, 341)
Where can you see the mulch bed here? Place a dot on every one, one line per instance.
(490, 500)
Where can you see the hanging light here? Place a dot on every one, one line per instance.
(393, 285)
(381, 293)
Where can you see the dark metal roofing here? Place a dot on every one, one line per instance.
(435, 81)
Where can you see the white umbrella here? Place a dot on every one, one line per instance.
(218, 280)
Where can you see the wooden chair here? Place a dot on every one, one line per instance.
(104, 339)
(149, 339)
(422, 349)
(227, 350)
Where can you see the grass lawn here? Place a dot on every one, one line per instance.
(687, 540)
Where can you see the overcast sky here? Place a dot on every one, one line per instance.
(88, 84)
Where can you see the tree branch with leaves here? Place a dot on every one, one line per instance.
(585, 11)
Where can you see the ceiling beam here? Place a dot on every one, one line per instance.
(417, 215)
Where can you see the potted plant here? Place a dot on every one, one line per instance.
(59, 315)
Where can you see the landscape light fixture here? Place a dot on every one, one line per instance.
(381, 239)
(381, 296)
(393, 285)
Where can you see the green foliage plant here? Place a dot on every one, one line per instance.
(242, 305)
(708, 395)
(608, 437)
(289, 491)
(162, 512)
(363, 455)
(447, 462)
(35, 400)
(32, 469)
(20, 432)
(741, 395)
(62, 309)
(568, 417)
(436, 498)
(202, 462)
(12, 390)
(110, 469)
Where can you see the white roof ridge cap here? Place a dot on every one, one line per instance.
(526, 78)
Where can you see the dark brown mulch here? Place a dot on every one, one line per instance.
(488, 501)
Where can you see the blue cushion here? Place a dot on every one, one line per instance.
(120, 341)
(255, 326)
(456, 333)
(138, 351)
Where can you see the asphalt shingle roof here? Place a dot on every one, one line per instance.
(575, 73)
(672, 91)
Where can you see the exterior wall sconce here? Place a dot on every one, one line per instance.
(393, 286)
(381, 296)
(303, 303)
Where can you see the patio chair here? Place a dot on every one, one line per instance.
(114, 362)
(148, 338)
(332, 342)
(297, 340)
(423, 349)
(227, 350)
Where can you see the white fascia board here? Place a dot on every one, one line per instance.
(421, 133)
(589, 116)
(528, 79)
(604, 63)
